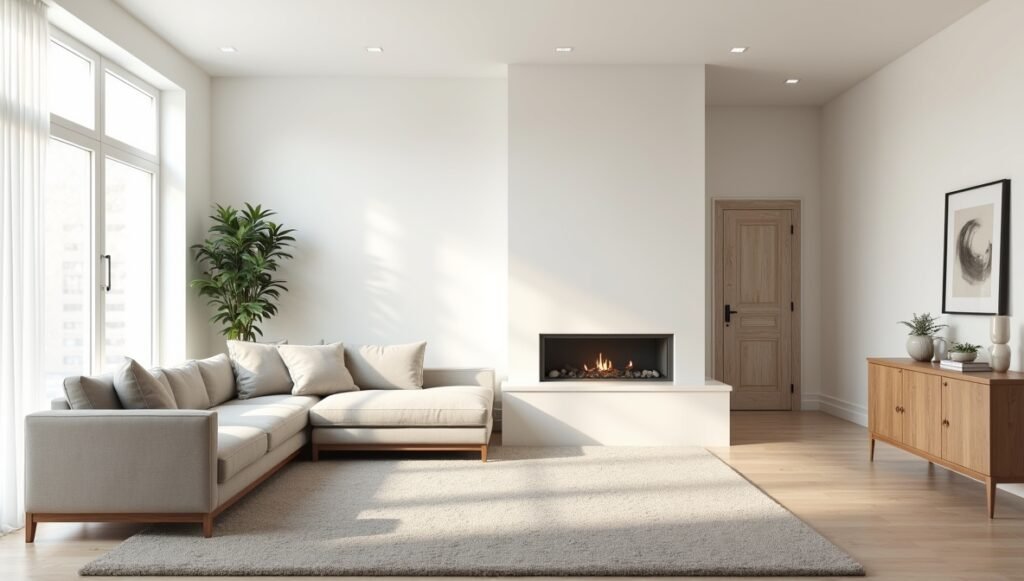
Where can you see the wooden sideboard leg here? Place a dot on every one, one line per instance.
(990, 496)
(30, 528)
(872, 444)
(208, 525)
(483, 453)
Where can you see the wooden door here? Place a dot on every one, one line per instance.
(965, 434)
(921, 403)
(885, 395)
(757, 290)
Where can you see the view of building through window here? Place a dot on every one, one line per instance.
(99, 216)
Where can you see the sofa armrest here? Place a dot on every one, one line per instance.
(121, 461)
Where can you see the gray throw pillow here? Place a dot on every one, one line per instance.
(138, 389)
(218, 378)
(387, 366)
(317, 369)
(259, 369)
(91, 393)
(186, 383)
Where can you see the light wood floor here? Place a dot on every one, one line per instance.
(901, 518)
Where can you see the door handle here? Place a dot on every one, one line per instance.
(729, 313)
(106, 287)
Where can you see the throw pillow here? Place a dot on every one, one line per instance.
(387, 366)
(259, 369)
(139, 390)
(186, 383)
(317, 369)
(91, 393)
(218, 378)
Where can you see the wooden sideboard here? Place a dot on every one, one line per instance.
(971, 423)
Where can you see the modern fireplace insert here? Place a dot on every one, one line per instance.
(605, 357)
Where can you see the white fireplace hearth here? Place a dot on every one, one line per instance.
(615, 413)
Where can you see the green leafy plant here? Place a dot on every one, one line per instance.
(964, 348)
(239, 260)
(924, 324)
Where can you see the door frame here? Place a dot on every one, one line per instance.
(718, 273)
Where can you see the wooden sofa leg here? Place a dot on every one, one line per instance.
(315, 453)
(208, 525)
(483, 453)
(30, 528)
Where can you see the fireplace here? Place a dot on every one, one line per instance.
(605, 357)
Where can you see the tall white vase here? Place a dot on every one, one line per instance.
(999, 352)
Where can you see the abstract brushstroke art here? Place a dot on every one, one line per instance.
(975, 270)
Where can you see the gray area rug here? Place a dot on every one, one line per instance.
(528, 511)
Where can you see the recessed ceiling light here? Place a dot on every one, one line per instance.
(563, 49)
(374, 49)
(792, 81)
(738, 49)
(228, 49)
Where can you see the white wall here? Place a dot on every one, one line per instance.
(185, 153)
(397, 188)
(773, 152)
(606, 207)
(946, 115)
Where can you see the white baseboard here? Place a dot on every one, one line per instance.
(841, 408)
(810, 402)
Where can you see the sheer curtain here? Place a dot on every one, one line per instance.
(24, 133)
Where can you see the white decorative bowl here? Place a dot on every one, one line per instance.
(962, 357)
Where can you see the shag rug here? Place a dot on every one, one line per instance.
(527, 511)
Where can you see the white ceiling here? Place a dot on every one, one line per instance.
(828, 44)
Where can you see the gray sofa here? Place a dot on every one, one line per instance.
(189, 465)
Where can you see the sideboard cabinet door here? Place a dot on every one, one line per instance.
(885, 385)
(922, 415)
(965, 425)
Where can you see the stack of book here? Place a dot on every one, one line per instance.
(965, 366)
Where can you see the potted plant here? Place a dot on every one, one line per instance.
(239, 261)
(964, 352)
(919, 343)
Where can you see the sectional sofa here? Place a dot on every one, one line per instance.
(89, 459)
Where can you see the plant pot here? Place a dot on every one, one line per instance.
(919, 347)
(963, 357)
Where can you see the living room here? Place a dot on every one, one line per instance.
(457, 288)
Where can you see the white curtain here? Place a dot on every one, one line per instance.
(24, 132)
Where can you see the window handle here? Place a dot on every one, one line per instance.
(106, 287)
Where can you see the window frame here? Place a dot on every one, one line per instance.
(102, 147)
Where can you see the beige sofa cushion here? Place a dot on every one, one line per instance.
(186, 383)
(317, 369)
(468, 405)
(278, 416)
(259, 369)
(91, 393)
(138, 389)
(237, 448)
(218, 378)
(387, 366)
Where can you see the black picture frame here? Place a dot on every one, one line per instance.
(999, 304)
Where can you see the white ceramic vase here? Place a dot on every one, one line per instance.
(999, 352)
(919, 347)
(939, 349)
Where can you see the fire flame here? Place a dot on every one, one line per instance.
(602, 364)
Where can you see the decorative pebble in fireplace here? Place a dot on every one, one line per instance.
(606, 357)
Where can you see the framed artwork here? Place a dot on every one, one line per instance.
(976, 262)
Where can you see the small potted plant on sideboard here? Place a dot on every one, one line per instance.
(964, 352)
(922, 327)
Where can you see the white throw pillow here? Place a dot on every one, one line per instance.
(138, 389)
(317, 369)
(186, 383)
(387, 366)
(259, 369)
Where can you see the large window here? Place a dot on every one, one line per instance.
(99, 214)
